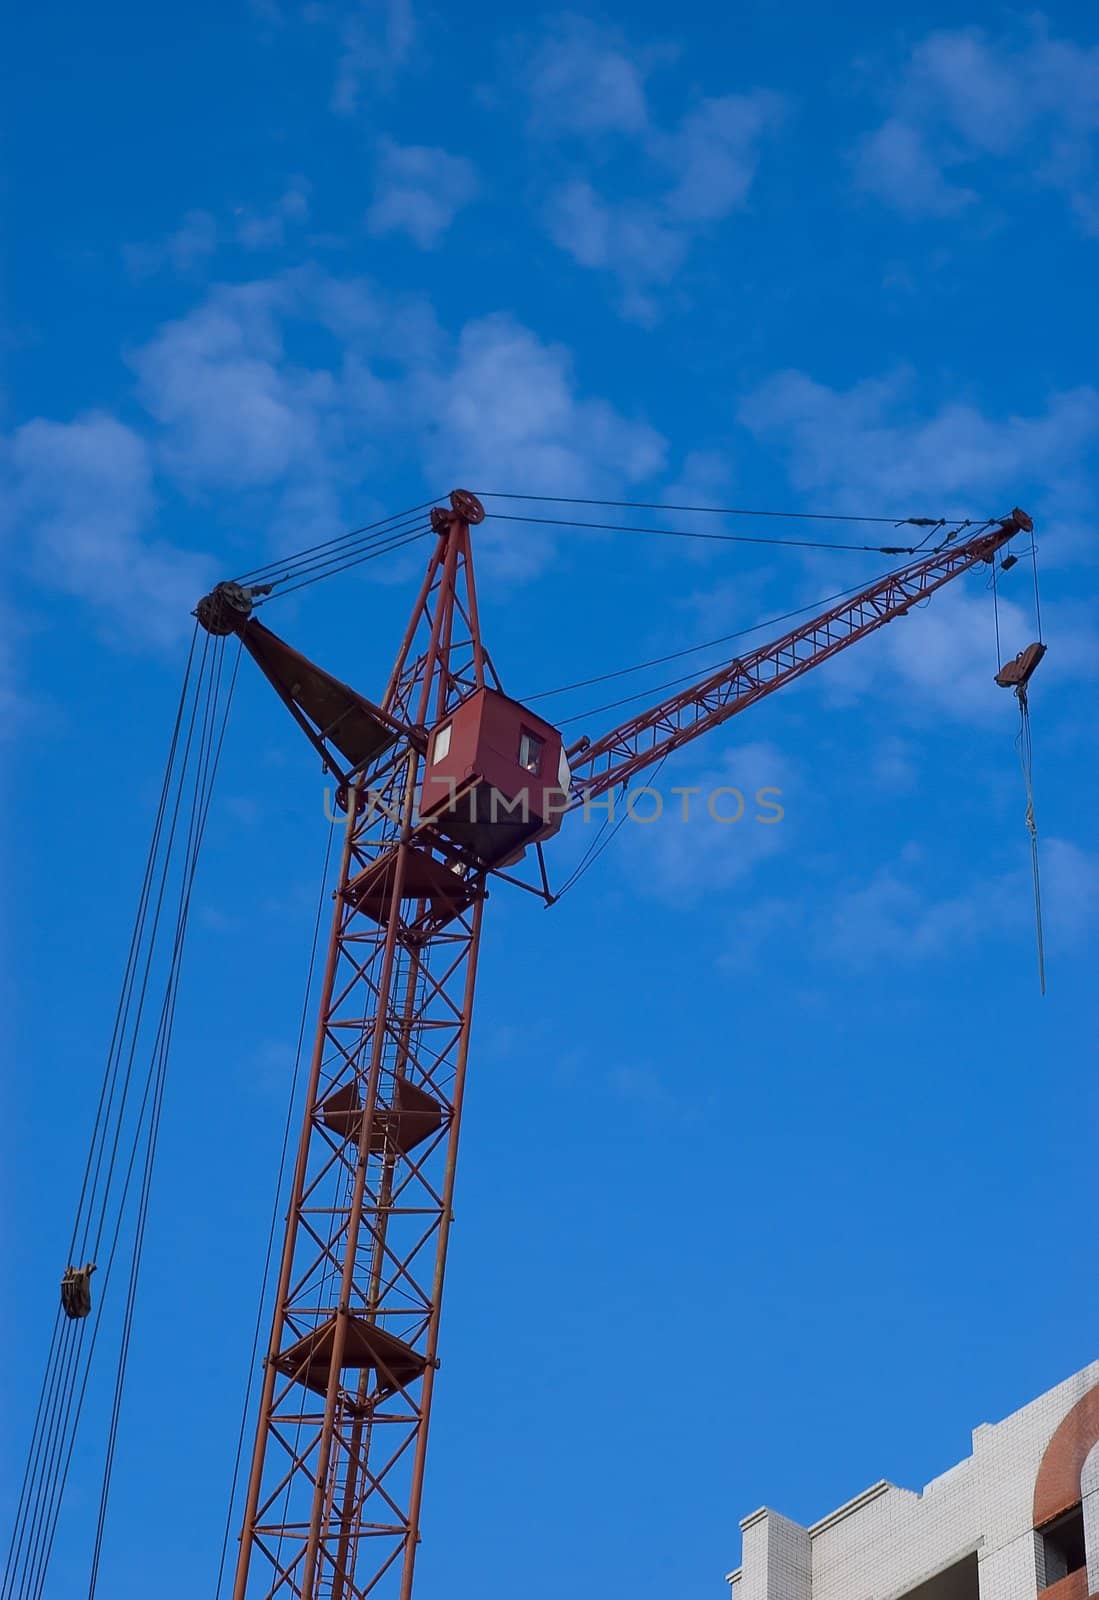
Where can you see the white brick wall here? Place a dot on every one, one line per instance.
(889, 1540)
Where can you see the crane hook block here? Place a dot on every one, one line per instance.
(76, 1290)
(1018, 673)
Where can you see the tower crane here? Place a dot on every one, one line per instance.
(450, 789)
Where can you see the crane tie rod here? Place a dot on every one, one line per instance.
(747, 538)
(330, 557)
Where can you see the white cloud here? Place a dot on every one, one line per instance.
(894, 164)
(377, 38)
(82, 507)
(868, 449)
(508, 410)
(687, 852)
(230, 410)
(699, 174)
(969, 104)
(633, 241)
(496, 401)
(199, 235)
(714, 154)
(419, 190)
(869, 445)
(894, 916)
(493, 404)
(190, 246)
(266, 230)
(236, 412)
(583, 85)
(1070, 891)
(582, 80)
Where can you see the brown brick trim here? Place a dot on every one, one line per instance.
(1058, 1483)
(1074, 1587)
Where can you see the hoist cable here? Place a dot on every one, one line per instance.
(50, 1523)
(69, 1362)
(330, 544)
(146, 978)
(336, 560)
(1037, 598)
(996, 616)
(1026, 755)
(344, 565)
(47, 1453)
(135, 943)
(209, 757)
(61, 1326)
(41, 1456)
(275, 1211)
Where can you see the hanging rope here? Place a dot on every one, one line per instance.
(1026, 754)
(1017, 675)
(109, 1213)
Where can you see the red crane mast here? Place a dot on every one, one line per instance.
(445, 783)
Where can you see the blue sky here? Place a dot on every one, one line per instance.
(775, 1175)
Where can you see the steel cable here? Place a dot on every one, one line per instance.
(345, 565)
(209, 757)
(69, 1362)
(260, 573)
(726, 511)
(48, 1455)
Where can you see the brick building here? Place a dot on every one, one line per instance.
(1017, 1519)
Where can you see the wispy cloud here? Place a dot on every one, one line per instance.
(230, 410)
(583, 80)
(970, 108)
(376, 39)
(707, 832)
(586, 91)
(494, 400)
(419, 190)
(81, 502)
(872, 448)
(508, 408)
(190, 246)
(235, 411)
(895, 914)
(267, 230)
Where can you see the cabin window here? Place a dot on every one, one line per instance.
(530, 751)
(441, 747)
